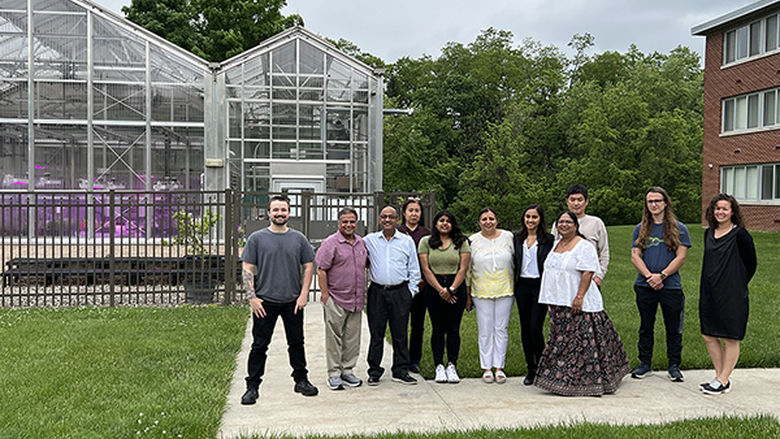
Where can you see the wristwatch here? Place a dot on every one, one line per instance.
(663, 275)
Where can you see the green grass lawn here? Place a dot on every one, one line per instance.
(761, 347)
(116, 372)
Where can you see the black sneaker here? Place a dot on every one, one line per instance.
(250, 396)
(305, 388)
(717, 389)
(414, 368)
(675, 375)
(405, 379)
(709, 383)
(372, 381)
(642, 371)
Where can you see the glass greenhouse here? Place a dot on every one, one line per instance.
(89, 100)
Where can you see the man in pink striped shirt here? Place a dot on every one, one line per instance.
(341, 271)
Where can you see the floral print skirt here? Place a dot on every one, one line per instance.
(584, 355)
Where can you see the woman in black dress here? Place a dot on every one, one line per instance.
(728, 265)
(532, 245)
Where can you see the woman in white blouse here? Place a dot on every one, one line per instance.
(584, 355)
(490, 289)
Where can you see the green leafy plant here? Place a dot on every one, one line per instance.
(192, 231)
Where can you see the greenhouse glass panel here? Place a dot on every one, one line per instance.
(61, 100)
(360, 124)
(119, 101)
(55, 5)
(13, 99)
(312, 59)
(13, 44)
(234, 119)
(13, 166)
(172, 151)
(311, 150)
(258, 177)
(119, 157)
(118, 54)
(337, 124)
(337, 177)
(338, 151)
(257, 150)
(284, 68)
(168, 68)
(255, 71)
(284, 150)
(257, 120)
(60, 156)
(310, 121)
(284, 93)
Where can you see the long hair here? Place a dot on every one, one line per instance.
(458, 238)
(671, 230)
(736, 217)
(541, 230)
(573, 218)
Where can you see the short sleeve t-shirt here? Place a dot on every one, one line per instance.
(657, 255)
(278, 257)
(444, 261)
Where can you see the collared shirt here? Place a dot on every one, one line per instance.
(393, 262)
(345, 264)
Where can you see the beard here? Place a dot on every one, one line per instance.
(279, 220)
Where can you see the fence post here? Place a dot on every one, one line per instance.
(229, 240)
(111, 244)
(306, 216)
(379, 202)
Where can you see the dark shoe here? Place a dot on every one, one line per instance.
(711, 383)
(373, 381)
(675, 375)
(405, 379)
(250, 396)
(642, 371)
(305, 388)
(717, 389)
(529, 379)
(414, 368)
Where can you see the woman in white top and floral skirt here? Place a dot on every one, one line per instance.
(584, 355)
(490, 287)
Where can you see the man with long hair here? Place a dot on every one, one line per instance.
(660, 245)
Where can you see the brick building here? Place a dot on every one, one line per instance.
(741, 152)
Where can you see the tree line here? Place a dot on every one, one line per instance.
(499, 124)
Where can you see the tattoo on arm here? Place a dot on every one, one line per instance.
(249, 283)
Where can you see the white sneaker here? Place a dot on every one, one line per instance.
(441, 374)
(452, 374)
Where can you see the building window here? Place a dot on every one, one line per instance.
(751, 182)
(751, 39)
(751, 111)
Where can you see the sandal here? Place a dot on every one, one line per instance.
(500, 376)
(487, 376)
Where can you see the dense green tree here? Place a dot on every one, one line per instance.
(212, 29)
(525, 122)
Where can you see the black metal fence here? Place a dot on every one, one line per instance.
(150, 248)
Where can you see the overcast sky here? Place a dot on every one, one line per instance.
(397, 28)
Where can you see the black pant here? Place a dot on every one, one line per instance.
(445, 320)
(417, 323)
(388, 306)
(532, 316)
(673, 309)
(263, 328)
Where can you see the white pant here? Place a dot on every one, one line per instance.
(492, 323)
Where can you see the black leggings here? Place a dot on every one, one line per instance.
(445, 320)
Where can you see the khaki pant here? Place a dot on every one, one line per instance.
(342, 338)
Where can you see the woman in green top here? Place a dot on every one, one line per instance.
(444, 259)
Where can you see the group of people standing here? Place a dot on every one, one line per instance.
(413, 270)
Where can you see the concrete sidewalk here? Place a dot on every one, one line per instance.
(470, 404)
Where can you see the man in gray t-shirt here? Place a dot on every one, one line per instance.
(272, 280)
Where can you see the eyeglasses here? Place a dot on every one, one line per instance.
(658, 201)
(386, 216)
(565, 222)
